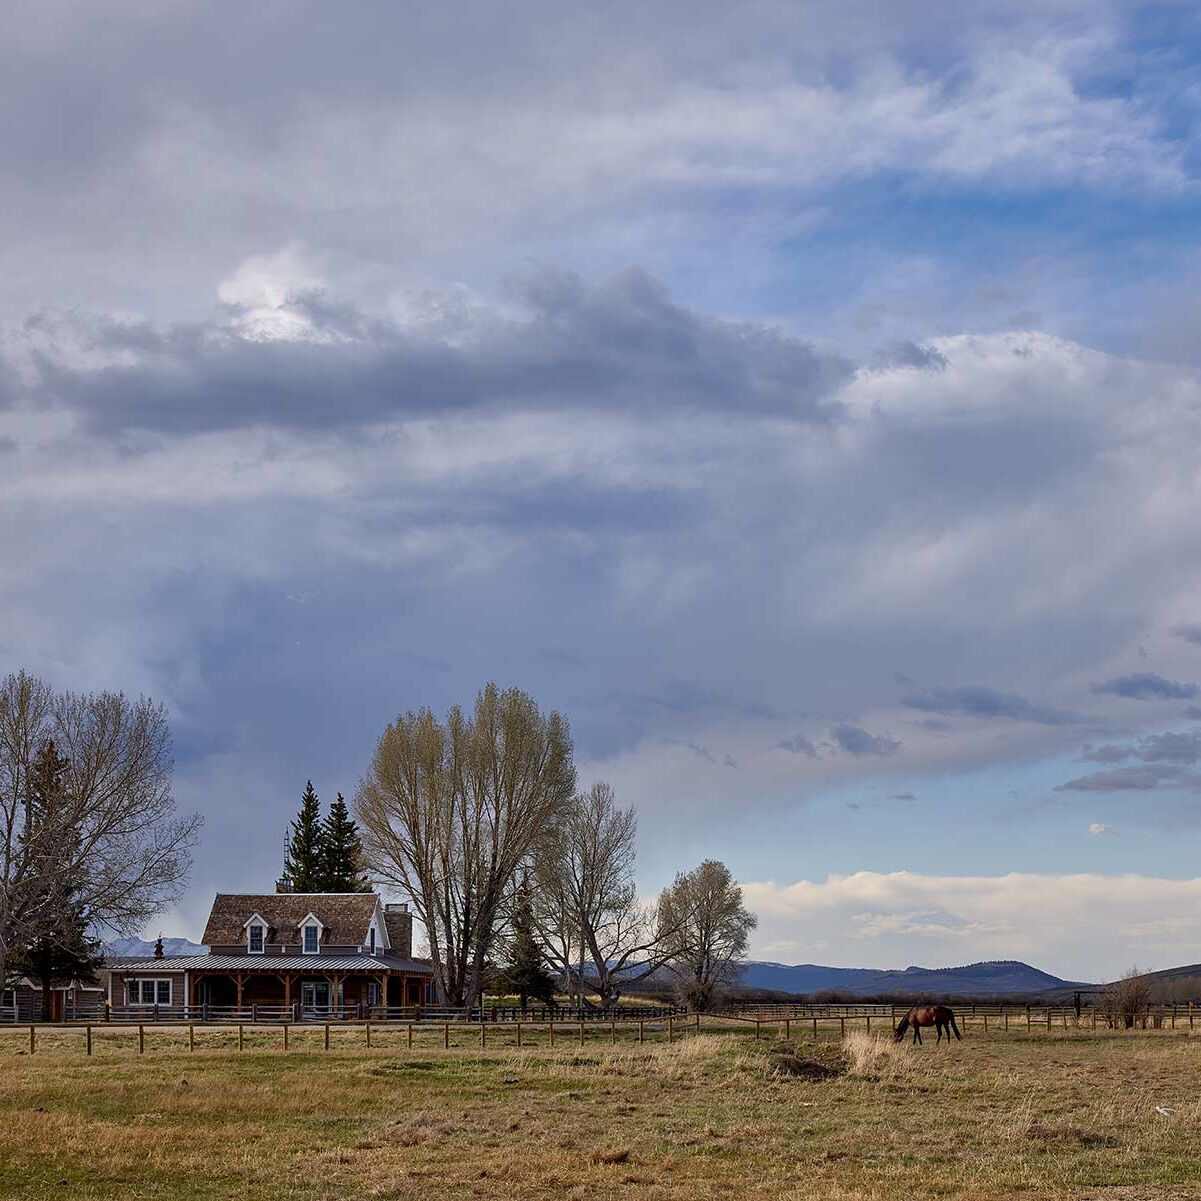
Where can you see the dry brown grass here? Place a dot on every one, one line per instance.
(706, 1117)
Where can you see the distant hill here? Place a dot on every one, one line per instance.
(134, 948)
(1005, 977)
(1175, 984)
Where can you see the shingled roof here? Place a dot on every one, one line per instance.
(345, 916)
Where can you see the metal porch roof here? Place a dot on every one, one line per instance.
(267, 965)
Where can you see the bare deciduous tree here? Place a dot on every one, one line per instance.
(707, 930)
(586, 900)
(1126, 1002)
(449, 813)
(110, 833)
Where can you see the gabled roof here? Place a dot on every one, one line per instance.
(345, 916)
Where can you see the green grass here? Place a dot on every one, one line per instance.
(1059, 1115)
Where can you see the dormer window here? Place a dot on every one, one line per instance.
(371, 940)
(312, 939)
(256, 934)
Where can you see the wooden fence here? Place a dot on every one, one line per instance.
(177, 1035)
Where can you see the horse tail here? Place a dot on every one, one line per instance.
(954, 1027)
(900, 1031)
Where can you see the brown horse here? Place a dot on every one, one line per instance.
(939, 1016)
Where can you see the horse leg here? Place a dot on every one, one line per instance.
(917, 1035)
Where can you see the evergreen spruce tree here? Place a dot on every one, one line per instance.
(526, 973)
(304, 864)
(342, 852)
(59, 946)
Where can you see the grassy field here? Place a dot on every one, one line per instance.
(1050, 1115)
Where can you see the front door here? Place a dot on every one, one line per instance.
(314, 997)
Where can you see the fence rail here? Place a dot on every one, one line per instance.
(175, 1034)
(297, 1013)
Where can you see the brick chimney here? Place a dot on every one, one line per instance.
(400, 928)
(158, 947)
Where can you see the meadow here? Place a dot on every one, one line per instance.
(1050, 1114)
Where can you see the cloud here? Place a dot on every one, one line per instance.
(981, 701)
(902, 796)
(1081, 926)
(1141, 778)
(620, 343)
(798, 744)
(1146, 686)
(1190, 632)
(1101, 829)
(858, 742)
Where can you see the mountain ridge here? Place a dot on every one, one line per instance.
(990, 977)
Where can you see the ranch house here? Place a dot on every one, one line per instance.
(285, 953)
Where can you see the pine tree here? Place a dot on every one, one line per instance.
(304, 864)
(59, 946)
(342, 853)
(526, 973)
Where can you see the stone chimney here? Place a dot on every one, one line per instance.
(400, 928)
(158, 947)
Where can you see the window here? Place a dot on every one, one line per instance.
(371, 940)
(255, 940)
(310, 940)
(150, 992)
(8, 999)
(372, 991)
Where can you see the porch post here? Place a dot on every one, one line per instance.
(287, 977)
(240, 977)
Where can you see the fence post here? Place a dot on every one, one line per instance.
(869, 1023)
(368, 1034)
(581, 1034)
(551, 1026)
(986, 1023)
(141, 1039)
(241, 1039)
(787, 1029)
(612, 1030)
(758, 1024)
(842, 1026)
(410, 1036)
(640, 1030)
(1028, 1019)
(254, 1011)
(519, 1034)
(191, 1037)
(446, 1035)
(671, 1033)
(815, 1029)
(483, 1035)
(327, 1036)
(285, 1036)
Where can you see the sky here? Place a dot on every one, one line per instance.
(803, 399)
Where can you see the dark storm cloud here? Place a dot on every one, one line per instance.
(1146, 686)
(976, 700)
(855, 740)
(1190, 632)
(622, 343)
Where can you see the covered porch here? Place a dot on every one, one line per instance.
(312, 992)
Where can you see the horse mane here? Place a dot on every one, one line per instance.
(902, 1027)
